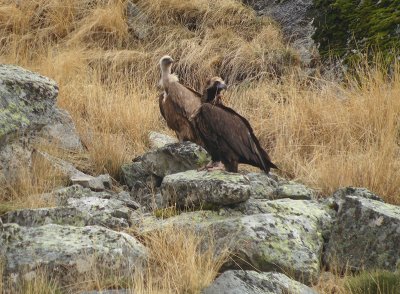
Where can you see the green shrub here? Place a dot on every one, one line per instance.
(345, 28)
(375, 282)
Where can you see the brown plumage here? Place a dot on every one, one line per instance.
(226, 135)
(178, 103)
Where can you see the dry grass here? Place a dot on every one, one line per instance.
(26, 190)
(325, 134)
(331, 135)
(178, 262)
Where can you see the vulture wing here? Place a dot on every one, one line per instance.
(224, 129)
(160, 104)
(186, 101)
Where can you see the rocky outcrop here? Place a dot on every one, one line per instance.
(251, 282)
(276, 239)
(79, 207)
(28, 115)
(145, 174)
(205, 189)
(366, 235)
(67, 252)
(296, 21)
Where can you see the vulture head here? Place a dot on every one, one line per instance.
(166, 62)
(213, 90)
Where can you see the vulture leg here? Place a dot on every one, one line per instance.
(212, 165)
(231, 166)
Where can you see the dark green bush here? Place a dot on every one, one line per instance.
(345, 28)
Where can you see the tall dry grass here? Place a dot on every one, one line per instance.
(326, 134)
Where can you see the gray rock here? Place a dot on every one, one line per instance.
(355, 191)
(137, 177)
(158, 140)
(277, 241)
(205, 189)
(138, 23)
(316, 212)
(266, 187)
(27, 100)
(366, 235)
(110, 213)
(262, 186)
(99, 183)
(62, 195)
(296, 19)
(251, 282)
(174, 158)
(28, 116)
(67, 252)
(61, 132)
(294, 191)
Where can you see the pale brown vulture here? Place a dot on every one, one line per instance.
(226, 135)
(178, 103)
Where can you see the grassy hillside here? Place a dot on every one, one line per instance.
(105, 61)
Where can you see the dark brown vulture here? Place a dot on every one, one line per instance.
(226, 135)
(178, 103)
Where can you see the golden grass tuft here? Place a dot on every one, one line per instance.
(26, 190)
(178, 262)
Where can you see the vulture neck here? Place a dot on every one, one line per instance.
(167, 77)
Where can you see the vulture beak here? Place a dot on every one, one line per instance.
(221, 86)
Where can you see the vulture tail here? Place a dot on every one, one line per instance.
(262, 156)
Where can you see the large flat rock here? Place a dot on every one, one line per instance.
(366, 235)
(67, 252)
(205, 189)
(252, 282)
(79, 206)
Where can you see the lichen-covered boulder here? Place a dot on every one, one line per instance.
(136, 177)
(284, 241)
(252, 282)
(366, 235)
(320, 214)
(27, 100)
(63, 195)
(28, 116)
(66, 253)
(110, 213)
(174, 158)
(205, 189)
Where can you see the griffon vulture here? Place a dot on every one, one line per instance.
(178, 103)
(226, 135)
